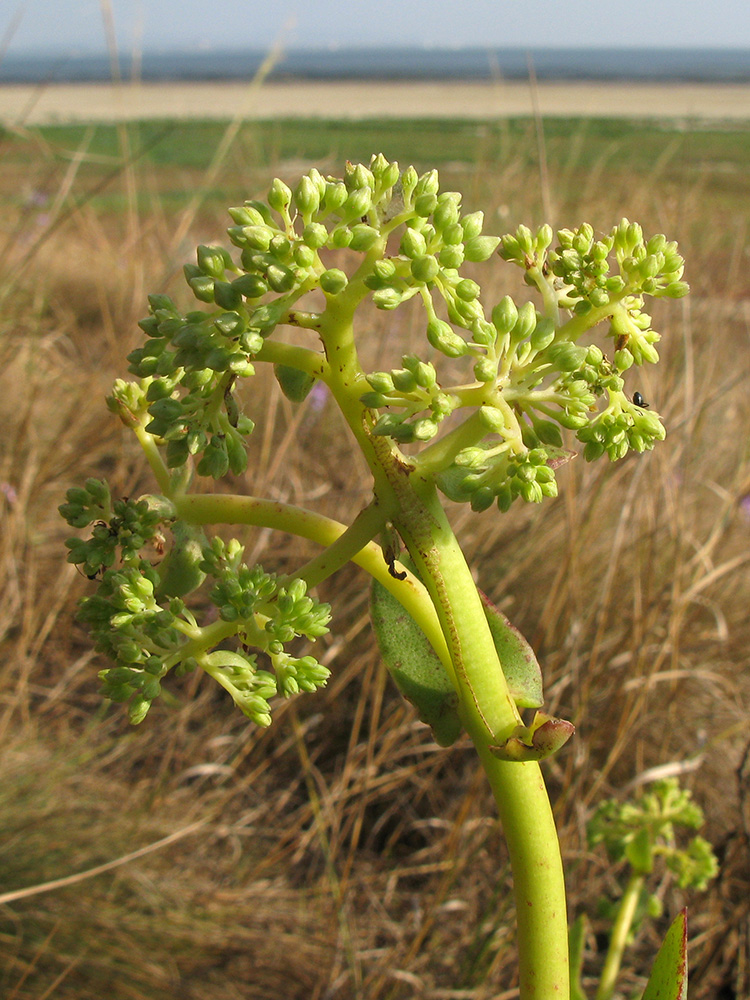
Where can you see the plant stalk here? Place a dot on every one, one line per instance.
(619, 937)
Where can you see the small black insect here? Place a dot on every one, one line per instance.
(640, 401)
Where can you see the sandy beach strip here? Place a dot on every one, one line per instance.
(106, 102)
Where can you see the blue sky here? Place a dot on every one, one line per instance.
(77, 25)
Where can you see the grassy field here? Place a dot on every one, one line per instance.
(342, 854)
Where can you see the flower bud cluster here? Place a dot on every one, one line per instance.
(622, 426)
(120, 528)
(582, 269)
(131, 628)
(146, 629)
(189, 366)
(436, 240)
(414, 390)
(248, 595)
(485, 475)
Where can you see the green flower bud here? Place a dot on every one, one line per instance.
(230, 324)
(315, 235)
(485, 370)
(257, 237)
(333, 281)
(318, 180)
(468, 290)
(676, 289)
(482, 499)
(387, 298)
(383, 273)
(409, 181)
(335, 196)
(404, 380)
(363, 237)
(424, 429)
(202, 288)
(379, 166)
(389, 176)
(543, 238)
(358, 203)
(483, 333)
(424, 205)
(481, 248)
(657, 244)
(280, 248)
(425, 269)
(583, 239)
(447, 210)
(525, 323)
(472, 458)
(464, 314)
(493, 419)
(357, 176)
(532, 492)
(442, 337)
(504, 498)
(307, 197)
(341, 237)
(442, 405)
(453, 235)
(304, 256)
(472, 225)
(226, 296)
(505, 315)
(150, 325)
(429, 183)
(413, 244)
(451, 257)
(423, 371)
(525, 240)
(252, 286)
(573, 421)
(213, 261)
(280, 196)
(374, 400)
(246, 216)
(380, 381)
(543, 334)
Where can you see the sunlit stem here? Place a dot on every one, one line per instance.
(619, 937)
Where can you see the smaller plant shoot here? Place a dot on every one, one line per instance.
(644, 833)
(501, 395)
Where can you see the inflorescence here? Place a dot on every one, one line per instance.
(526, 383)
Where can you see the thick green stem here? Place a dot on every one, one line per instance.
(489, 715)
(409, 500)
(538, 883)
(619, 937)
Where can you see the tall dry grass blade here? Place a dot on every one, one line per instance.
(67, 880)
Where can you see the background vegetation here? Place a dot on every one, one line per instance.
(342, 854)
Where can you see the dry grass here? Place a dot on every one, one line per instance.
(341, 854)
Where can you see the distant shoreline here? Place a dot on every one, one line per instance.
(45, 104)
